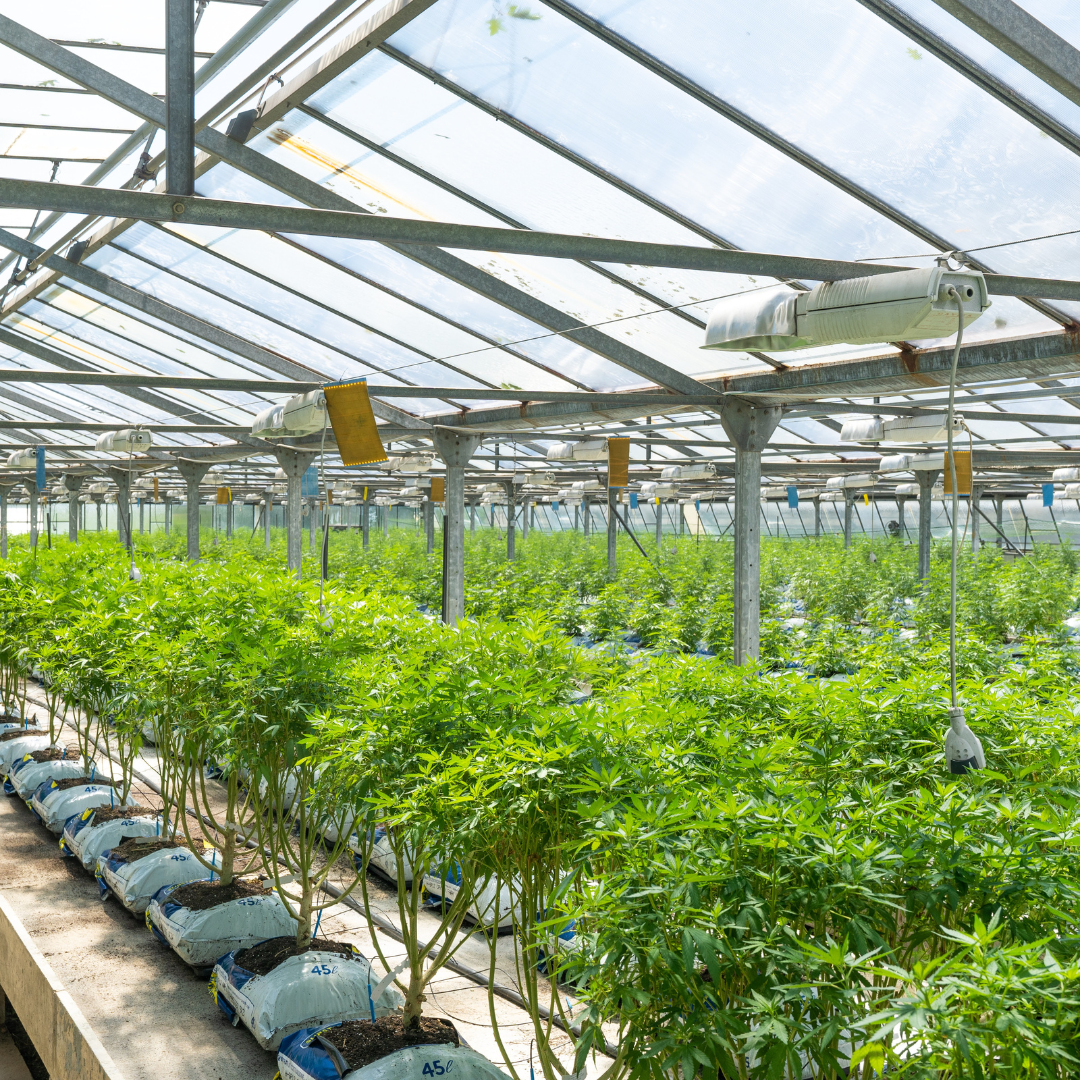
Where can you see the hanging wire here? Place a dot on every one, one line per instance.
(967, 251)
(955, 294)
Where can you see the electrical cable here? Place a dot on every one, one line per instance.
(966, 251)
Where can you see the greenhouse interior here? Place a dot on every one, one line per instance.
(539, 540)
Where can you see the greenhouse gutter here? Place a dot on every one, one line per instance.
(382, 923)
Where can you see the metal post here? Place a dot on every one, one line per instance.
(311, 504)
(525, 520)
(294, 464)
(817, 517)
(97, 504)
(577, 516)
(428, 509)
(472, 516)
(180, 97)
(750, 429)
(612, 526)
(71, 486)
(586, 515)
(168, 515)
(849, 506)
(4, 491)
(658, 514)
(386, 521)
(999, 514)
(974, 499)
(901, 502)
(122, 479)
(268, 506)
(455, 450)
(142, 524)
(32, 491)
(229, 518)
(511, 514)
(365, 521)
(192, 472)
(926, 480)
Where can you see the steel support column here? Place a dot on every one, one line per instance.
(511, 514)
(926, 479)
(817, 517)
(849, 509)
(180, 97)
(658, 521)
(122, 479)
(268, 507)
(4, 492)
(365, 522)
(71, 486)
(192, 472)
(525, 520)
(455, 450)
(612, 533)
(974, 501)
(311, 511)
(586, 516)
(750, 429)
(229, 519)
(294, 464)
(901, 502)
(999, 515)
(428, 511)
(168, 515)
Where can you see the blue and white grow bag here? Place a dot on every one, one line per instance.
(134, 883)
(86, 840)
(27, 775)
(16, 749)
(313, 989)
(489, 907)
(382, 856)
(200, 938)
(303, 1056)
(55, 805)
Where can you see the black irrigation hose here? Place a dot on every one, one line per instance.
(382, 923)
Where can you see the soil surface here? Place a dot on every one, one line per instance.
(103, 814)
(133, 848)
(201, 895)
(18, 733)
(54, 753)
(261, 959)
(361, 1042)
(76, 781)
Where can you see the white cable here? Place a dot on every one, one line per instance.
(954, 293)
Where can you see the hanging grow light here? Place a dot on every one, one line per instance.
(101, 487)
(773, 491)
(125, 441)
(176, 493)
(704, 470)
(586, 485)
(1067, 475)
(302, 414)
(654, 489)
(408, 463)
(928, 427)
(895, 463)
(832, 496)
(586, 450)
(544, 479)
(21, 459)
(907, 489)
(902, 306)
(852, 480)
(1072, 491)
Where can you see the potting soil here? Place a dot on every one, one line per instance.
(226, 919)
(315, 987)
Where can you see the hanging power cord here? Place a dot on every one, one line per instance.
(963, 750)
(134, 573)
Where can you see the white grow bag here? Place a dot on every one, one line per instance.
(133, 884)
(86, 841)
(313, 989)
(302, 1057)
(201, 938)
(487, 909)
(28, 775)
(382, 856)
(54, 806)
(15, 749)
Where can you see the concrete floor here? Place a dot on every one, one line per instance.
(153, 1015)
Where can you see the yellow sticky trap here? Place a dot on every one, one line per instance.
(224, 496)
(329, 497)
(618, 463)
(155, 489)
(962, 460)
(438, 489)
(865, 499)
(353, 422)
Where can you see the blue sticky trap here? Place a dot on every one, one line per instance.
(1048, 494)
(555, 503)
(793, 497)
(697, 505)
(633, 500)
(39, 479)
(309, 483)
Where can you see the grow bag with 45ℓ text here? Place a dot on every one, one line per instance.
(55, 802)
(382, 858)
(86, 838)
(308, 1055)
(27, 775)
(200, 938)
(15, 749)
(133, 883)
(314, 988)
(486, 909)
